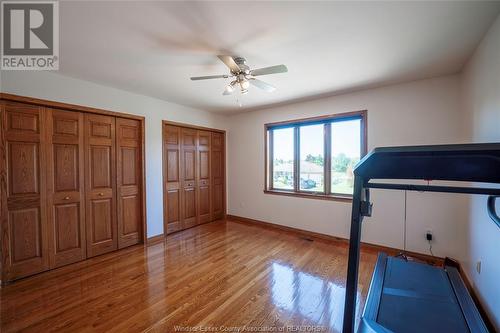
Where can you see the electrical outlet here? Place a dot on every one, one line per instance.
(428, 235)
(478, 267)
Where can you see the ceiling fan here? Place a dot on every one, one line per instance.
(243, 75)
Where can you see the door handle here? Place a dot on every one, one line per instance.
(101, 194)
(66, 198)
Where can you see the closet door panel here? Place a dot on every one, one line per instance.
(67, 219)
(25, 233)
(217, 176)
(189, 165)
(204, 200)
(189, 203)
(129, 181)
(65, 187)
(24, 222)
(173, 210)
(100, 184)
(203, 176)
(188, 178)
(66, 167)
(131, 219)
(23, 164)
(100, 168)
(172, 179)
(101, 215)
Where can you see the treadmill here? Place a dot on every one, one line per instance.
(407, 296)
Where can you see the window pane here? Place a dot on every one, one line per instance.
(346, 152)
(283, 158)
(312, 158)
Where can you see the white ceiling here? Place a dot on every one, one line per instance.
(153, 48)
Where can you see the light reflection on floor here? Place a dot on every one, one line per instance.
(318, 300)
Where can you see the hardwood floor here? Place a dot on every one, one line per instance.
(219, 274)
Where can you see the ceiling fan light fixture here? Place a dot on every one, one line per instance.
(229, 89)
(243, 75)
(244, 84)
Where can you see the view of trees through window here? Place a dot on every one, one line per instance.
(346, 152)
(283, 158)
(342, 137)
(312, 171)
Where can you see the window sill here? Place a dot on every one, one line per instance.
(331, 197)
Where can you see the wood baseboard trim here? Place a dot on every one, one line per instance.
(155, 239)
(339, 240)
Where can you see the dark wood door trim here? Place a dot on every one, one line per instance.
(66, 106)
(196, 127)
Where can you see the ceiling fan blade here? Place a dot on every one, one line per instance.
(269, 70)
(229, 61)
(196, 78)
(263, 85)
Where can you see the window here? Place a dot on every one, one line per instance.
(315, 157)
(312, 158)
(283, 159)
(346, 152)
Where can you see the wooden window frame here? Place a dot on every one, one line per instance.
(295, 124)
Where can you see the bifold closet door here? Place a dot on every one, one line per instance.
(23, 191)
(128, 181)
(193, 176)
(188, 178)
(171, 178)
(65, 185)
(203, 176)
(100, 184)
(217, 175)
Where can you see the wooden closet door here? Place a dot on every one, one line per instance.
(65, 184)
(23, 186)
(218, 187)
(188, 180)
(203, 176)
(172, 178)
(100, 184)
(128, 181)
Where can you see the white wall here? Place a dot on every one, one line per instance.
(481, 100)
(420, 112)
(56, 87)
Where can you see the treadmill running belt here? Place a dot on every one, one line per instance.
(418, 298)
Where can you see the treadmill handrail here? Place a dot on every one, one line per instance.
(474, 162)
(434, 188)
(492, 209)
